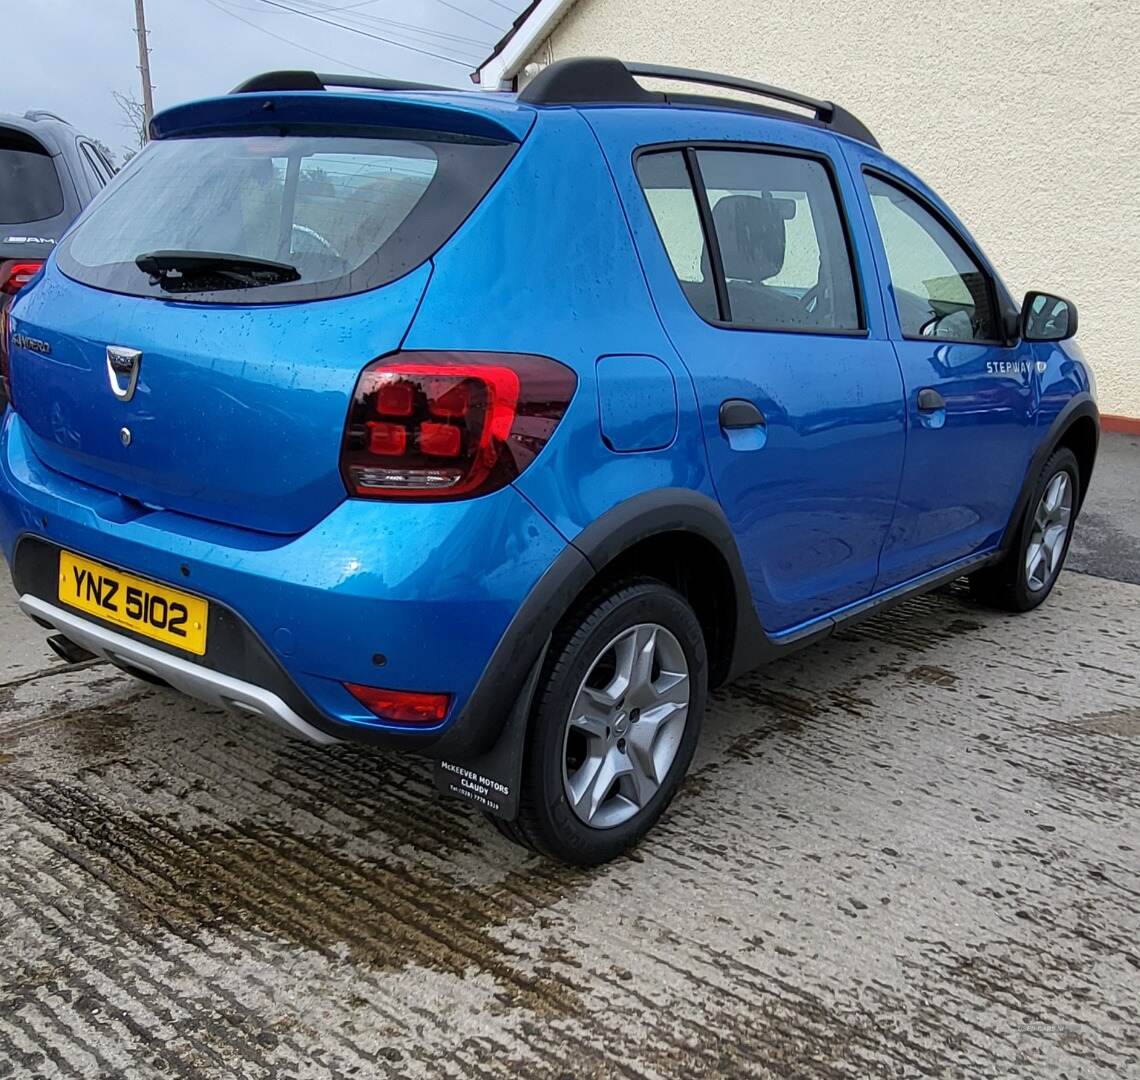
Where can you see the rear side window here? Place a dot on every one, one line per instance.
(29, 186)
(777, 238)
(347, 214)
(940, 290)
(782, 245)
(665, 180)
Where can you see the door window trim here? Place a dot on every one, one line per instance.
(689, 148)
(95, 163)
(983, 266)
(708, 229)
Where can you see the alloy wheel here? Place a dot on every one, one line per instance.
(625, 725)
(1048, 532)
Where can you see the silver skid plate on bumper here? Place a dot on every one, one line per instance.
(192, 679)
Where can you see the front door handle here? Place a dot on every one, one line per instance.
(736, 413)
(930, 400)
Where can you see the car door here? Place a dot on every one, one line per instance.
(971, 394)
(757, 269)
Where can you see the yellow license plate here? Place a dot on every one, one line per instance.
(152, 610)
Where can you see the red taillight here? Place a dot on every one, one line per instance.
(450, 425)
(402, 706)
(387, 440)
(441, 440)
(395, 399)
(15, 275)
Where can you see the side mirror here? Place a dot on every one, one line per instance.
(1045, 317)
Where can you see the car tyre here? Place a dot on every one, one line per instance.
(1026, 575)
(616, 717)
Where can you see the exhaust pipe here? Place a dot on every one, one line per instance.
(68, 651)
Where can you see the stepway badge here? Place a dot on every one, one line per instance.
(1016, 367)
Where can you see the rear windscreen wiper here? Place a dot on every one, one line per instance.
(202, 271)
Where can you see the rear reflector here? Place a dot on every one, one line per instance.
(450, 425)
(402, 706)
(15, 275)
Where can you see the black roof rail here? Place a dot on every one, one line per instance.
(603, 80)
(272, 81)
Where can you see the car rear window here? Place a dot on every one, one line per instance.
(29, 186)
(348, 214)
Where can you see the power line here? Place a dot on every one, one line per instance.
(415, 28)
(365, 33)
(407, 30)
(288, 41)
(326, 10)
(469, 14)
(376, 20)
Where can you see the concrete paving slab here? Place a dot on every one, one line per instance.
(912, 850)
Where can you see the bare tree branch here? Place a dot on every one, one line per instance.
(134, 116)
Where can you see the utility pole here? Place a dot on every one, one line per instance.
(144, 65)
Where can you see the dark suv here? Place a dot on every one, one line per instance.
(48, 173)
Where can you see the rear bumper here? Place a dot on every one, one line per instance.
(212, 687)
(433, 597)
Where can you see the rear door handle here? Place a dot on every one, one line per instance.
(736, 413)
(930, 400)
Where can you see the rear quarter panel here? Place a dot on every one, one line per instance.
(546, 265)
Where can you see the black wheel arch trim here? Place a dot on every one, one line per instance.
(652, 513)
(680, 510)
(487, 710)
(1081, 406)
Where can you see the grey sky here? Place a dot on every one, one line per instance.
(69, 55)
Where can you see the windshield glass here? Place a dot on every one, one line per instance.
(29, 187)
(330, 207)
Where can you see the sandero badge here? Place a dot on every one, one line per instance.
(22, 341)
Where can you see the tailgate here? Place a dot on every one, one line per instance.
(238, 412)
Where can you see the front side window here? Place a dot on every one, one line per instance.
(940, 290)
(783, 249)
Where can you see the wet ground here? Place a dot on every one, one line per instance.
(913, 850)
(1108, 541)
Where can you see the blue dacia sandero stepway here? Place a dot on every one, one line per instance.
(500, 427)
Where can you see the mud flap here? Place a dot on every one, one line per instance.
(491, 781)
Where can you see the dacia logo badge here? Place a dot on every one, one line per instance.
(123, 371)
